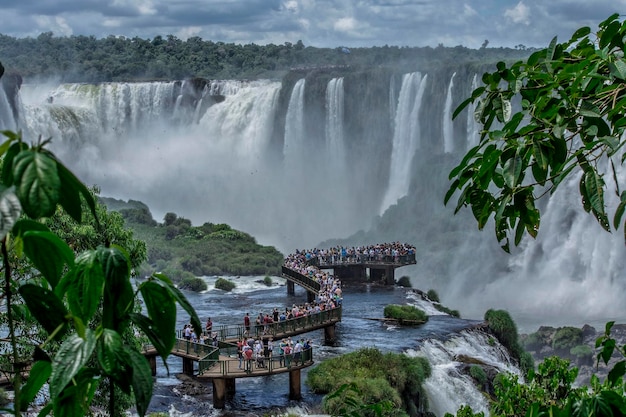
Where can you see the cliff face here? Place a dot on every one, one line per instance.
(11, 84)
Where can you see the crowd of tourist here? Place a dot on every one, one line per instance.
(329, 296)
(394, 252)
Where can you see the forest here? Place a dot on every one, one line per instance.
(118, 58)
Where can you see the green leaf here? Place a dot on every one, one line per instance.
(48, 253)
(38, 375)
(618, 69)
(141, 380)
(512, 170)
(7, 163)
(84, 285)
(594, 187)
(611, 31)
(147, 326)
(161, 310)
(111, 353)
(118, 293)
(182, 301)
(46, 307)
(37, 183)
(588, 109)
(617, 372)
(71, 357)
(71, 190)
(10, 210)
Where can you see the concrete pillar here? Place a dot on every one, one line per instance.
(219, 392)
(295, 392)
(390, 275)
(290, 288)
(230, 387)
(187, 366)
(310, 296)
(329, 334)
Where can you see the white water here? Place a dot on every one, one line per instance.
(406, 137)
(473, 128)
(448, 388)
(448, 133)
(334, 129)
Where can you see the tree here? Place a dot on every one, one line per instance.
(570, 121)
(85, 302)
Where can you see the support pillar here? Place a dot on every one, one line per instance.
(290, 288)
(230, 387)
(153, 364)
(390, 275)
(219, 392)
(329, 334)
(310, 296)
(187, 366)
(295, 392)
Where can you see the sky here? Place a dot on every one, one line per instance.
(318, 23)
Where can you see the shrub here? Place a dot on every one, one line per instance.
(534, 341)
(224, 284)
(404, 281)
(268, 281)
(432, 295)
(193, 283)
(479, 374)
(583, 354)
(566, 338)
(503, 327)
(405, 314)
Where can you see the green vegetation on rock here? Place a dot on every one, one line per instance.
(405, 314)
(183, 250)
(224, 284)
(378, 377)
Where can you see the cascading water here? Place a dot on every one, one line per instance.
(334, 129)
(448, 387)
(295, 147)
(448, 132)
(473, 128)
(406, 137)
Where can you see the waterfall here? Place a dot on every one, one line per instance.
(7, 121)
(405, 138)
(448, 387)
(294, 147)
(448, 132)
(473, 127)
(334, 128)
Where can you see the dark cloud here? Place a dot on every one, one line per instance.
(316, 22)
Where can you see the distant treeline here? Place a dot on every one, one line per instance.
(88, 59)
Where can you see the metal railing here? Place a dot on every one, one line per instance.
(301, 279)
(266, 364)
(276, 329)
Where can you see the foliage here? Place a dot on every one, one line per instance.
(268, 281)
(405, 314)
(570, 122)
(116, 58)
(479, 374)
(404, 281)
(176, 246)
(224, 284)
(433, 296)
(192, 283)
(4, 398)
(85, 303)
(378, 377)
(566, 338)
(504, 328)
(349, 403)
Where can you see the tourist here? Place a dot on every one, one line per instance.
(209, 326)
(240, 344)
(297, 352)
(246, 323)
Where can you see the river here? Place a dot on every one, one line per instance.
(269, 395)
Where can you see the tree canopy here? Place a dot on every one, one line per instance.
(557, 114)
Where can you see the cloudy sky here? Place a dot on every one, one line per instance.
(320, 23)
